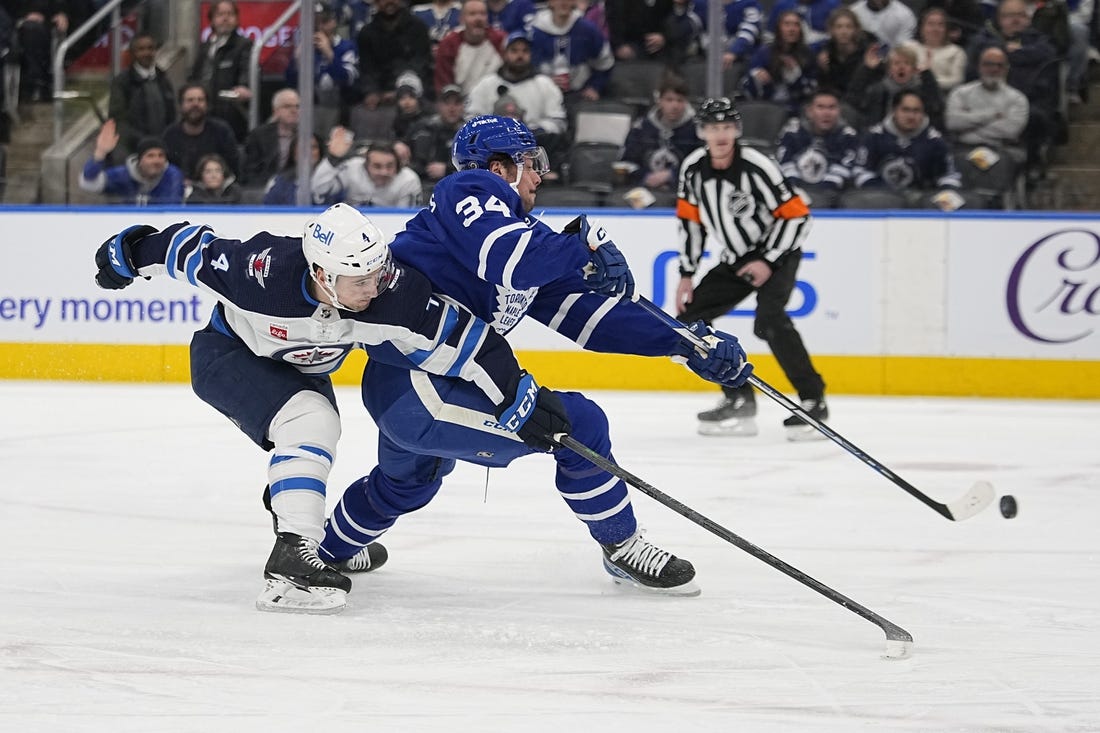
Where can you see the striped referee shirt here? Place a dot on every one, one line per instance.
(748, 207)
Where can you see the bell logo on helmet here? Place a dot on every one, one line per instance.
(323, 235)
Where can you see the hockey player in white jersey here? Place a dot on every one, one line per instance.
(289, 311)
(478, 244)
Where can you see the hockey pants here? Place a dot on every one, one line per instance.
(427, 423)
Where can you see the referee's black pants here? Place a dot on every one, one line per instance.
(721, 289)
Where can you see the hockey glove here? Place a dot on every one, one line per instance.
(115, 257)
(606, 272)
(536, 415)
(724, 361)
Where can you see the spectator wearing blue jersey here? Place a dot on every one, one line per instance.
(145, 178)
(784, 70)
(511, 15)
(659, 141)
(907, 154)
(743, 23)
(571, 51)
(819, 153)
(814, 13)
(335, 70)
(440, 16)
(841, 54)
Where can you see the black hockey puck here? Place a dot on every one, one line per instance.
(1008, 506)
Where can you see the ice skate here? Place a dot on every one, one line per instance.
(645, 566)
(733, 416)
(371, 557)
(799, 430)
(298, 581)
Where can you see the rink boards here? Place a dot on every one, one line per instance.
(996, 304)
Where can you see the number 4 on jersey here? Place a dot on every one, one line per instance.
(221, 263)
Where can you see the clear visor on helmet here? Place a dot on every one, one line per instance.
(536, 160)
(382, 276)
(385, 273)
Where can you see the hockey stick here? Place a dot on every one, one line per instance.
(899, 642)
(977, 498)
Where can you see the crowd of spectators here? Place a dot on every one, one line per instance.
(879, 94)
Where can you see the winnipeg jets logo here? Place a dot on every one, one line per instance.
(812, 166)
(316, 355)
(259, 266)
(898, 173)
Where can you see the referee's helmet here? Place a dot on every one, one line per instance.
(718, 109)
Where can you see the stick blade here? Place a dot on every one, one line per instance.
(980, 495)
(898, 649)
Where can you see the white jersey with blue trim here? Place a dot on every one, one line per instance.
(263, 301)
(476, 244)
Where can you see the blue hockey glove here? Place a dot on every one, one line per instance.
(536, 415)
(607, 272)
(724, 361)
(115, 257)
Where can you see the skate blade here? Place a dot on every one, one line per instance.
(740, 427)
(280, 596)
(687, 590)
(804, 434)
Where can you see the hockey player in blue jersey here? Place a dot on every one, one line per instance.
(478, 244)
(289, 311)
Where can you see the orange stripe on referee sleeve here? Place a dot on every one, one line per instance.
(684, 210)
(792, 209)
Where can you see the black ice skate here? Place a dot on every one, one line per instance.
(371, 557)
(800, 430)
(647, 567)
(733, 416)
(299, 581)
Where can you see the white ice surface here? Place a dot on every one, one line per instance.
(134, 539)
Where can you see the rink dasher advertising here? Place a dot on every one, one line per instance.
(1039, 296)
(914, 304)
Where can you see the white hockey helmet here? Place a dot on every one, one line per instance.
(342, 241)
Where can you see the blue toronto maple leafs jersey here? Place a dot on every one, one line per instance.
(477, 245)
(263, 300)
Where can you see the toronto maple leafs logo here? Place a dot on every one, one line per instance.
(510, 307)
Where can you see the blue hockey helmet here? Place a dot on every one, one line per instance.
(482, 137)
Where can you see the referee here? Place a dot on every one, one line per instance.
(739, 198)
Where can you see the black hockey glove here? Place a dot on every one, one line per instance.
(115, 257)
(725, 360)
(607, 272)
(536, 415)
